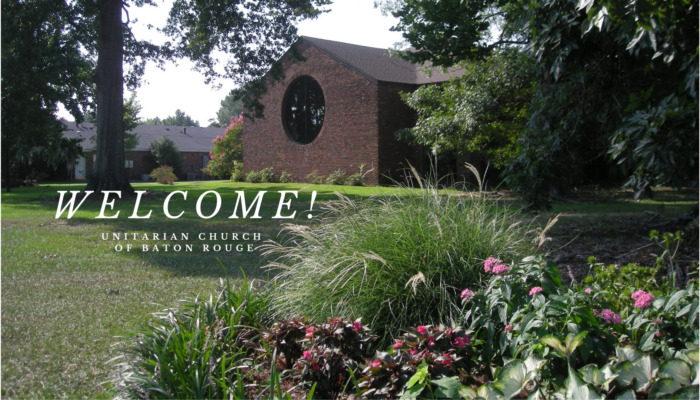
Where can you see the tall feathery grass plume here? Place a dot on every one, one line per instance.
(395, 260)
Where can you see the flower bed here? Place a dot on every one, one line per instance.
(525, 335)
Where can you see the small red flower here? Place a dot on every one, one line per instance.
(398, 344)
(376, 363)
(422, 330)
(448, 360)
(310, 331)
(357, 326)
(307, 355)
(315, 367)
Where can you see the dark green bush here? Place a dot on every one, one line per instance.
(267, 175)
(253, 177)
(237, 172)
(285, 177)
(166, 152)
(336, 178)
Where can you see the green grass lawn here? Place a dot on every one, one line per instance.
(58, 316)
(60, 307)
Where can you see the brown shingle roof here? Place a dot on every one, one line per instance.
(192, 139)
(376, 65)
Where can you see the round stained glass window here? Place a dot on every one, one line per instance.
(303, 110)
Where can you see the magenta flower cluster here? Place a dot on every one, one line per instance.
(642, 299)
(535, 290)
(608, 315)
(495, 266)
(466, 295)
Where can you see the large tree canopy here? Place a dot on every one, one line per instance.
(66, 49)
(616, 79)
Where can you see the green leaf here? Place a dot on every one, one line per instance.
(511, 378)
(677, 369)
(591, 374)
(627, 353)
(674, 299)
(646, 343)
(533, 363)
(447, 388)
(489, 392)
(663, 386)
(688, 392)
(467, 393)
(554, 343)
(626, 395)
(637, 373)
(413, 393)
(572, 342)
(577, 389)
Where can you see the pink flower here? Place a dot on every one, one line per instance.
(535, 290)
(588, 291)
(413, 352)
(466, 295)
(398, 344)
(376, 363)
(642, 299)
(448, 360)
(431, 341)
(422, 330)
(508, 328)
(610, 317)
(310, 331)
(489, 263)
(307, 355)
(500, 269)
(658, 321)
(466, 339)
(357, 326)
(657, 333)
(315, 367)
(459, 342)
(448, 332)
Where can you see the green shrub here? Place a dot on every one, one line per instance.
(336, 178)
(355, 180)
(396, 260)
(166, 152)
(192, 351)
(164, 175)
(253, 177)
(237, 172)
(267, 175)
(314, 178)
(285, 177)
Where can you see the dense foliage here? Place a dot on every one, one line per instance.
(616, 79)
(164, 175)
(230, 107)
(166, 152)
(396, 261)
(227, 152)
(484, 111)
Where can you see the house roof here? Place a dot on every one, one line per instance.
(374, 63)
(187, 139)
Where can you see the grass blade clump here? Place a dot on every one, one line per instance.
(195, 350)
(396, 261)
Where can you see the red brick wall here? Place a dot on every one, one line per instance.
(348, 138)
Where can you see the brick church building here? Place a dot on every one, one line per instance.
(338, 109)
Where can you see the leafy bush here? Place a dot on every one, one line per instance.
(227, 152)
(394, 260)
(621, 282)
(166, 152)
(336, 178)
(193, 351)
(237, 172)
(267, 175)
(253, 177)
(355, 180)
(164, 175)
(314, 178)
(285, 177)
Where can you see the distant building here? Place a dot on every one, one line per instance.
(338, 109)
(194, 144)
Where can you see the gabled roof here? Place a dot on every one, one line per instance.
(187, 139)
(374, 64)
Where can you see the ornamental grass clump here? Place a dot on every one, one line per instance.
(394, 260)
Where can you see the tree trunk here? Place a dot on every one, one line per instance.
(109, 172)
